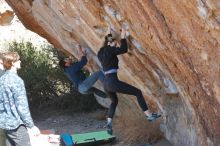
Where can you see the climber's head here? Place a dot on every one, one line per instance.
(109, 41)
(65, 62)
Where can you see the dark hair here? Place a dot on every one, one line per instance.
(62, 63)
(107, 39)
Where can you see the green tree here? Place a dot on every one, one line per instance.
(42, 76)
(44, 79)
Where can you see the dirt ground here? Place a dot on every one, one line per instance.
(69, 122)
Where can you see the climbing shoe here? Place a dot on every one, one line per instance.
(153, 117)
(109, 128)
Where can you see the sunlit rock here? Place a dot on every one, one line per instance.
(174, 47)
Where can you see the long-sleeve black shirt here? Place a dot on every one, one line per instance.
(108, 55)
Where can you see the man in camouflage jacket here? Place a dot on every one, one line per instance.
(1, 65)
(14, 109)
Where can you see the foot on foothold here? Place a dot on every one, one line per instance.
(153, 117)
(109, 128)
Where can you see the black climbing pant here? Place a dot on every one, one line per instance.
(112, 85)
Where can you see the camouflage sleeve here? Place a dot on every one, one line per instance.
(21, 103)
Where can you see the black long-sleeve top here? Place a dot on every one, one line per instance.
(108, 55)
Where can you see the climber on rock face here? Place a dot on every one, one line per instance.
(78, 78)
(107, 55)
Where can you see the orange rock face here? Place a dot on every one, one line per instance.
(174, 49)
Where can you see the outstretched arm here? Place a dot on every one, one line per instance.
(80, 52)
(83, 61)
(123, 48)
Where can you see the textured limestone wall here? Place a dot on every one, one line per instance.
(174, 47)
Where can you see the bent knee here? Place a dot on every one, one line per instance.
(115, 102)
(138, 92)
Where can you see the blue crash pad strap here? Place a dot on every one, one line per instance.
(67, 139)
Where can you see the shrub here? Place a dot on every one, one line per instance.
(44, 79)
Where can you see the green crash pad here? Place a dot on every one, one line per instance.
(92, 138)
